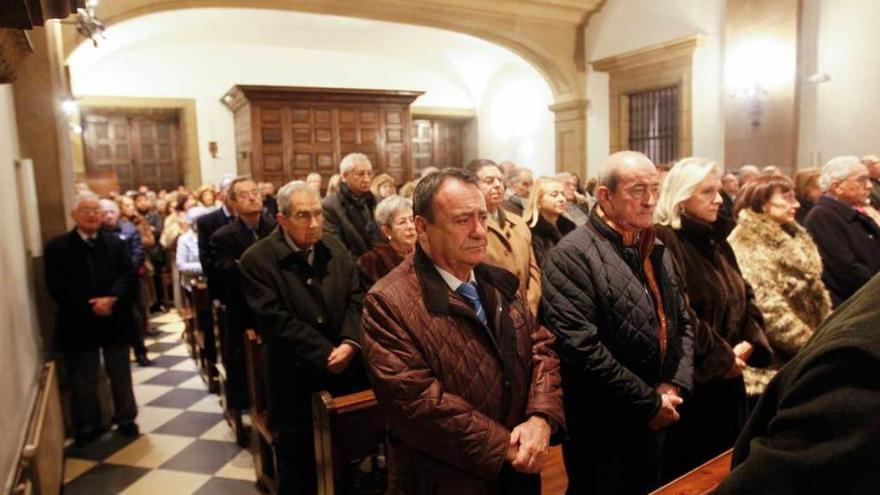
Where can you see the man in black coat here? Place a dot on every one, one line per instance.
(206, 225)
(848, 239)
(348, 213)
(227, 245)
(90, 276)
(304, 290)
(624, 337)
(816, 428)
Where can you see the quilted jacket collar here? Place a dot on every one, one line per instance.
(643, 240)
(435, 292)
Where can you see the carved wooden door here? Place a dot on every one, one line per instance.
(140, 146)
(436, 143)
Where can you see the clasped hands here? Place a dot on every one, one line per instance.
(670, 399)
(741, 353)
(340, 357)
(529, 442)
(102, 306)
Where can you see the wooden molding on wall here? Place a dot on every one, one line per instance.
(15, 45)
(443, 113)
(660, 66)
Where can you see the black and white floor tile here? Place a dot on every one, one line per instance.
(185, 447)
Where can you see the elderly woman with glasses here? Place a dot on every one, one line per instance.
(394, 215)
(780, 260)
(728, 326)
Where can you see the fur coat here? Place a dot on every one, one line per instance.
(784, 268)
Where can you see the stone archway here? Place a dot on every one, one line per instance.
(546, 33)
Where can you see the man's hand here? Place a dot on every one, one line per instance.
(533, 438)
(668, 389)
(102, 306)
(667, 413)
(340, 357)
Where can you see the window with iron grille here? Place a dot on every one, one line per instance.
(653, 124)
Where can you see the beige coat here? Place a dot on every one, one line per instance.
(785, 271)
(510, 247)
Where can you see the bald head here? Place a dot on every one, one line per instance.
(623, 163)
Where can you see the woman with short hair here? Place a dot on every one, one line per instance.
(394, 215)
(728, 327)
(544, 214)
(782, 263)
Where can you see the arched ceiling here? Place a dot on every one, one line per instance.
(546, 33)
(466, 61)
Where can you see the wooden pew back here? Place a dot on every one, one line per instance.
(347, 428)
(262, 442)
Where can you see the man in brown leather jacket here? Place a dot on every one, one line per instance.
(467, 379)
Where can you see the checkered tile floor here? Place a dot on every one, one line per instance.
(185, 445)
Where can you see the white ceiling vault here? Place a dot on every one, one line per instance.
(463, 60)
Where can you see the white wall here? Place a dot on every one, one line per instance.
(150, 57)
(626, 25)
(20, 356)
(839, 117)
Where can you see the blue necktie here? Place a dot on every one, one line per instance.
(469, 292)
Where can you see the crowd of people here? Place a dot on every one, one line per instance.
(636, 319)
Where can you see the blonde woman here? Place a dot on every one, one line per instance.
(206, 195)
(544, 214)
(728, 327)
(332, 185)
(782, 263)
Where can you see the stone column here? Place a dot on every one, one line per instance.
(43, 132)
(571, 136)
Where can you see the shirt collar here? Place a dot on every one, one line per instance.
(86, 237)
(226, 211)
(452, 281)
(297, 249)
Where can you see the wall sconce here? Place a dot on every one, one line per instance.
(756, 67)
(212, 148)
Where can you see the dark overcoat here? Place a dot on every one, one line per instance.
(303, 311)
(816, 429)
(849, 243)
(77, 272)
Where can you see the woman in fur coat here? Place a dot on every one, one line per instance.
(782, 264)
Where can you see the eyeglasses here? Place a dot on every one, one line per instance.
(307, 216)
(643, 191)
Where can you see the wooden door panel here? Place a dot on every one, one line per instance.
(139, 146)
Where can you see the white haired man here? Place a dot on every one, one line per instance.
(848, 240)
(90, 276)
(304, 290)
(348, 213)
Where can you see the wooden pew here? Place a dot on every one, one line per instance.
(347, 428)
(232, 415)
(262, 441)
(702, 480)
(206, 352)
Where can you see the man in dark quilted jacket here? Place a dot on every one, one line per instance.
(468, 381)
(624, 339)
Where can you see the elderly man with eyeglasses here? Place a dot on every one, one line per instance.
(623, 334)
(90, 276)
(304, 290)
(847, 238)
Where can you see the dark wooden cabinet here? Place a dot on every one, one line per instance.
(284, 133)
